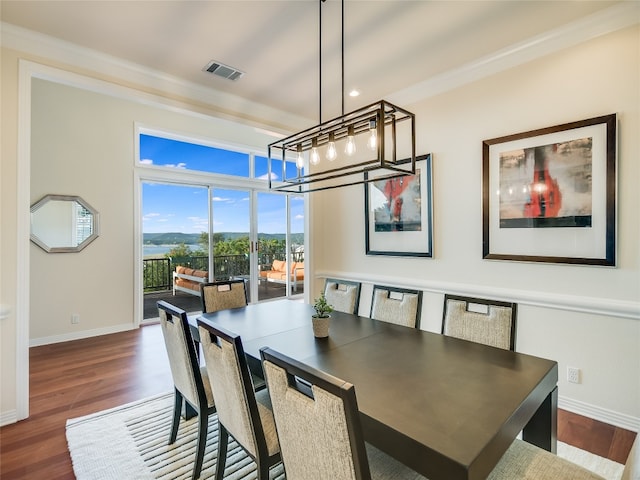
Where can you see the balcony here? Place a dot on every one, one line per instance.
(157, 279)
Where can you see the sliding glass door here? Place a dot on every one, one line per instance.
(231, 240)
(175, 239)
(280, 245)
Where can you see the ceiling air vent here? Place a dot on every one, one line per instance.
(222, 70)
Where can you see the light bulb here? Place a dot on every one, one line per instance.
(315, 157)
(300, 158)
(331, 148)
(350, 147)
(372, 143)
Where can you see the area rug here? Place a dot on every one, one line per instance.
(130, 442)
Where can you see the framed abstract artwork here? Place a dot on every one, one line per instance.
(398, 213)
(549, 195)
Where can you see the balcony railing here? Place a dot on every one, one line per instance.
(157, 272)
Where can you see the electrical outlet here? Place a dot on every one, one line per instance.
(573, 375)
(75, 318)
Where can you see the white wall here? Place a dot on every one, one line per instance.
(596, 78)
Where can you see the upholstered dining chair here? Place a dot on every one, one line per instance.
(343, 295)
(524, 461)
(190, 380)
(319, 426)
(479, 320)
(223, 295)
(243, 414)
(396, 305)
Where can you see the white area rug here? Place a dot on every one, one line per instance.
(130, 442)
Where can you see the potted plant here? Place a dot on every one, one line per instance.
(321, 319)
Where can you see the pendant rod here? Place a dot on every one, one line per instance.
(320, 59)
(342, 55)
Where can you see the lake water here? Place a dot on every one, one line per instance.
(160, 250)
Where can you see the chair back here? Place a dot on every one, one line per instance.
(396, 305)
(343, 295)
(236, 403)
(183, 360)
(479, 320)
(317, 419)
(223, 295)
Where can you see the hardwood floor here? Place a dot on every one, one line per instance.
(76, 378)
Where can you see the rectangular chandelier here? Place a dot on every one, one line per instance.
(371, 143)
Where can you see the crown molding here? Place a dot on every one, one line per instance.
(618, 17)
(107, 66)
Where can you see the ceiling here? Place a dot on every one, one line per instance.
(389, 45)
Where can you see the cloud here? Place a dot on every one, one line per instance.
(146, 161)
(266, 176)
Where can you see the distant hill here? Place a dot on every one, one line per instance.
(177, 238)
(170, 238)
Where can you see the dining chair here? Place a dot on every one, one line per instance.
(242, 413)
(318, 425)
(396, 305)
(524, 461)
(343, 295)
(191, 383)
(480, 320)
(222, 295)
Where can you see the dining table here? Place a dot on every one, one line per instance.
(447, 408)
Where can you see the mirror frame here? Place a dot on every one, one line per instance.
(95, 231)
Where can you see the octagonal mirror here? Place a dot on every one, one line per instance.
(63, 223)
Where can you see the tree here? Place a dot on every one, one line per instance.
(181, 250)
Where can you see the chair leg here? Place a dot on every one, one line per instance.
(177, 410)
(203, 423)
(189, 411)
(263, 471)
(223, 439)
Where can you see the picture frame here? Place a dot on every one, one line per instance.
(399, 213)
(549, 195)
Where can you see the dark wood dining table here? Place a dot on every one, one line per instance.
(446, 407)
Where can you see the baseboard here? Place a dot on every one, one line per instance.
(598, 413)
(150, 321)
(36, 342)
(7, 418)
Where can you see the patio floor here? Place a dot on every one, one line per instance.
(192, 303)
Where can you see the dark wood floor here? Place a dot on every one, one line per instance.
(76, 378)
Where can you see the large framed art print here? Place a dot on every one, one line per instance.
(549, 195)
(398, 213)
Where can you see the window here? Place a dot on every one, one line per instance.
(164, 152)
(205, 193)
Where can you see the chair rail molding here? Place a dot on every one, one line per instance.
(575, 303)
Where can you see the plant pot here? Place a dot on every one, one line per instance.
(320, 326)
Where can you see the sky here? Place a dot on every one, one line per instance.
(177, 208)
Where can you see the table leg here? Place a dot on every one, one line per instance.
(542, 429)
